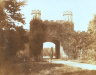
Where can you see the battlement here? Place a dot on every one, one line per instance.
(57, 21)
(67, 15)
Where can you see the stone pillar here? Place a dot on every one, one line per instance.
(40, 56)
(32, 57)
(36, 51)
(35, 41)
(58, 50)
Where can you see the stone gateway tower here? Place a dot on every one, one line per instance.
(59, 33)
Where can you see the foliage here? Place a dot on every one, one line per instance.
(12, 37)
(92, 25)
(92, 31)
(47, 51)
(9, 13)
(12, 42)
(36, 38)
(89, 51)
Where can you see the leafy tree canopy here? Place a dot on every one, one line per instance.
(9, 13)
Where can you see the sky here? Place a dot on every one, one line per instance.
(48, 45)
(83, 11)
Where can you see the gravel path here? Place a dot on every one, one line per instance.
(76, 64)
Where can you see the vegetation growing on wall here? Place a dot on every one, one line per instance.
(40, 31)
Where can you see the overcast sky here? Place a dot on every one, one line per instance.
(82, 10)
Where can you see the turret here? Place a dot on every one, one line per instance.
(36, 14)
(68, 16)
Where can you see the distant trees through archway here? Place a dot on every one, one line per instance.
(49, 47)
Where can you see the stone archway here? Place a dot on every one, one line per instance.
(57, 46)
(41, 32)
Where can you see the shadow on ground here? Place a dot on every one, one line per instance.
(26, 68)
(83, 72)
(42, 68)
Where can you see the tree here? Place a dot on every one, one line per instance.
(10, 35)
(92, 25)
(10, 9)
(92, 31)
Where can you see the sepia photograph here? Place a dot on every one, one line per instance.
(47, 37)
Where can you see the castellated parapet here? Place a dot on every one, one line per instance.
(59, 32)
(59, 21)
(67, 16)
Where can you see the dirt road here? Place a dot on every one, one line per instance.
(76, 64)
(57, 67)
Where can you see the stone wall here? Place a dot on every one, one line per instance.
(59, 33)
